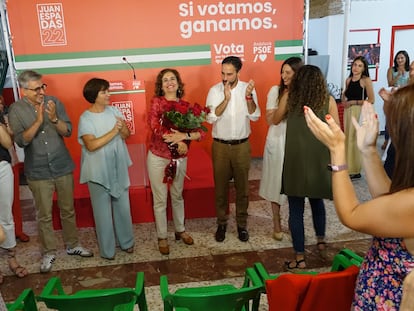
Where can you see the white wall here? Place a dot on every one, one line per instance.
(326, 36)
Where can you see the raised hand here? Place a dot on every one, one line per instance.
(227, 91)
(39, 116)
(51, 110)
(329, 133)
(367, 131)
(250, 88)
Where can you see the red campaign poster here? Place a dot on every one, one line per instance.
(129, 98)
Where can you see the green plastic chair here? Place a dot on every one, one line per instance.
(25, 302)
(224, 297)
(354, 258)
(119, 299)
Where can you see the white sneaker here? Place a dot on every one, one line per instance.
(47, 262)
(80, 251)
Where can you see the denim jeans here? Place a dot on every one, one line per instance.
(296, 224)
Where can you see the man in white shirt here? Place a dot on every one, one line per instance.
(233, 104)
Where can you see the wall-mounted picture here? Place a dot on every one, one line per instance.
(371, 52)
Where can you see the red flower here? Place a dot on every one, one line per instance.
(182, 108)
(185, 117)
(197, 109)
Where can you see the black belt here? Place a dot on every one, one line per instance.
(231, 142)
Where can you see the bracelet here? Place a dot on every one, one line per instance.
(337, 168)
(55, 121)
(249, 97)
(189, 136)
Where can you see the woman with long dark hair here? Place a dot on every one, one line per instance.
(304, 169)
(358, 87)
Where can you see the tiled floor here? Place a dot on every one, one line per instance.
(205, 262)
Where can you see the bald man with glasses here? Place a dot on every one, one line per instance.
(39, 123)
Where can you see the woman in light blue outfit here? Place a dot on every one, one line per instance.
(104, 166)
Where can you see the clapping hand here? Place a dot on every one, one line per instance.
(329, 133)
(51, 110)
(367, 131)
(249, 88)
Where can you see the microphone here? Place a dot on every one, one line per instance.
(130, 65)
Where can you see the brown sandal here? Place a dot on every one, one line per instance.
(295, 265)
(14, 266)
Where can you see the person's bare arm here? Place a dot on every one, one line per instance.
(93, 143)
(369, 90)
(367, 133)
(387, 215)
(280, 113)
(2, 234)
(223, 105)
(390, 79)
(31, 132)
(5, 139)
(333, 110)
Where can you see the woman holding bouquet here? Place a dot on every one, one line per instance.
(167, 161)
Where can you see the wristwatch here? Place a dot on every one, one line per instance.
(55, 121)
(337, 168)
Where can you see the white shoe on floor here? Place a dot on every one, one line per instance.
(47, 262)
(80, 251)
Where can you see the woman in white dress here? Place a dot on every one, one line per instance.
(274, 150)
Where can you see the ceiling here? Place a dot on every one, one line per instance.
(322, 8)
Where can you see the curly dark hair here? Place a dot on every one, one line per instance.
(158, 82)
(309, 88)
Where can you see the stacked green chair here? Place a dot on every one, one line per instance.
(351, 257)
(224, 297)
(119, 299)
(25, 302)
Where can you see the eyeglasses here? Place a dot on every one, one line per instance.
(37, 89)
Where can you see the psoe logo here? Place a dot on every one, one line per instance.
(223, 50)
(261, 50)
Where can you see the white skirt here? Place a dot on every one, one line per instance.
(272, 169)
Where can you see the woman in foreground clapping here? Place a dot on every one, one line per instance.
(390, 213)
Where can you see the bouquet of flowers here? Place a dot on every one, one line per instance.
(185, 118)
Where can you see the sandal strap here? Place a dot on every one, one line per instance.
(296, 262)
